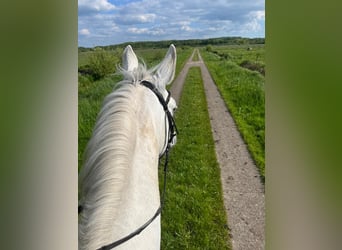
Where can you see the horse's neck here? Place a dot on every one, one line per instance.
(133, 197)
(140, 199)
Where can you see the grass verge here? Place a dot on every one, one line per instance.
(194, 216)
(90, 97)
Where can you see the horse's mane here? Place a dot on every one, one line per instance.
(108, 157)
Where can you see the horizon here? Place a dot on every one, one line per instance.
(171, 40)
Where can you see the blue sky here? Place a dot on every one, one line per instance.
(105, 22)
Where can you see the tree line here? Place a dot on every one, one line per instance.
(190, 42)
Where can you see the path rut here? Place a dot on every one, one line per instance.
(243, 191)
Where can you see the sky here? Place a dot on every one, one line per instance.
(107, 22)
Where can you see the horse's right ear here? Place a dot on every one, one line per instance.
(165, 71)
(129, 59)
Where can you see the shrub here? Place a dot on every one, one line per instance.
(253, 66)
(86, 71)
(101, 63)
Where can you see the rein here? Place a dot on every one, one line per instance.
(172, 132)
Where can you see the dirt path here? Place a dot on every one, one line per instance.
(177, 85)
(244, 195)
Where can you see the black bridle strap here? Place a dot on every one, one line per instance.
(155, 90)
(131, 235)
(172, 124)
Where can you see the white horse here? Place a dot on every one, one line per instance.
(119, 181)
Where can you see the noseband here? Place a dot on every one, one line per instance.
(170, 134)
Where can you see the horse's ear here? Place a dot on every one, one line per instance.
(129, 59)
(165, 71)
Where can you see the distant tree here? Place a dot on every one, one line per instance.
(241, 41)
(178, 43)
(83, 49)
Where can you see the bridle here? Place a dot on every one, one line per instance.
(170, 133)
(172, 125)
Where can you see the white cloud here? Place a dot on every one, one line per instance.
(135, 18)
(153, 31)
(259, 15)
(145, 18)
(138, 31)
(89, 6)
(186, 28)
(254, 24)
(257, 19)
(158, 31)
(84, 32)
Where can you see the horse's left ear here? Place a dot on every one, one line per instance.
(165, 71)
(129, 59)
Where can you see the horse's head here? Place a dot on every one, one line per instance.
(156, 79)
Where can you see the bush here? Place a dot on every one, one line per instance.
(101, 64)
(254, 66)
(86, 71)
(209, 48)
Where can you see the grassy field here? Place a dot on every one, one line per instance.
(150, 56)
(194, 215)
(239, 53)
(90, 97)
(243, 92)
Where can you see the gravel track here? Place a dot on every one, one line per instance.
(243, 191)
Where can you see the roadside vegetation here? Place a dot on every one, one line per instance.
(242, 89)
(194, 216)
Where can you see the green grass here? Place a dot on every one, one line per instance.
(254, 53)
(243, 93)
(195, 57)
(84, 57)
(90, 98)
(183, 55)
(194, 215)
